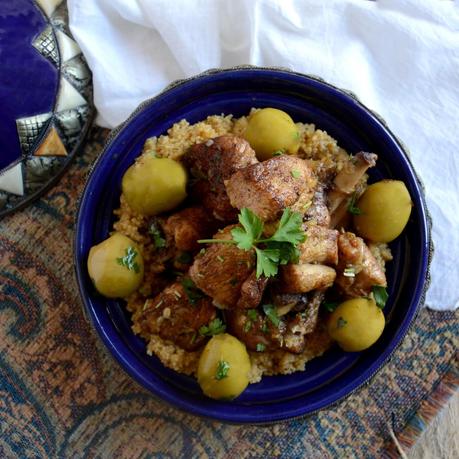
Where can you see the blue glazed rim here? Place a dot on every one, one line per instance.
(254, 408)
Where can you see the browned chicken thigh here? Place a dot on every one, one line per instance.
(267, 188)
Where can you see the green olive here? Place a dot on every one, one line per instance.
(224, 365)
(116, 266)
(385, 209)
(271, 131)
(356, 324)
(154, 185)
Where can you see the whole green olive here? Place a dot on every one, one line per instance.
(154, 185)
(115, 266)
(385, 208)
(271, 131)
(356, 324)
(224, 365)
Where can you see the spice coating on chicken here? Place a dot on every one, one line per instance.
(214, 161)
(358, 269)
(222, 269)
(320, 246)
(306, 277)
(252, 291)
(318, 212)
(185, 227)
(269, 187)
(173, 316)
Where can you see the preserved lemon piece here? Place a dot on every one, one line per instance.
(224, 365)
(154, 185)
(115, 266)
(271, 131)
(385, 208)
(356, 324)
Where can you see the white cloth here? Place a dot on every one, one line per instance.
(401, 58)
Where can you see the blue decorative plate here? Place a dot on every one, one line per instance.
(45, 93)
(326, 379)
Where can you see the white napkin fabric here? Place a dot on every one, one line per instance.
(401, 58)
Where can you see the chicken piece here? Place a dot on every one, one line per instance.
(222, 269)
(251, 291)
(306, 277)
(358, 269)
(185, 227)
(253, 328)
(269, 187)
(174, 316)
(320, 246)
(318, 212)
(345, 185)
(212, 162)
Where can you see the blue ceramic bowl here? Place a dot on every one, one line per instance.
(327, 379)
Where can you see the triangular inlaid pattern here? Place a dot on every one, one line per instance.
(60, 18)
(29, 130)
(67, 46)
(46, 45)
(52, 145)
(11, 180)
(70, 123)
(49, 6)
(68, 97)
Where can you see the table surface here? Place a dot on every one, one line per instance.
(63, 396)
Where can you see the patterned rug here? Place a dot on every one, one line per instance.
(62, 396)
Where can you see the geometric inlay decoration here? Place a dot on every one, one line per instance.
(47, 90)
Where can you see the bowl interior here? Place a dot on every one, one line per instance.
(327, 378)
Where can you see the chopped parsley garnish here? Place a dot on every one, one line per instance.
(192, 292)
(185, 258)
(260, 347)
(352, 207)
(128, 260)
(220, 258)
(215, 327)
(279, 249)
(157, 236)
(380, 295)
(278, 152)
(252, 314)
(271, 313)
(341, 323)
(247, 325)
(296, 173)
(330, 306)
(264, 327)
(222, 370)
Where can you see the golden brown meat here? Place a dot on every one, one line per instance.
(306, 277)
(173, 316)
(345, 185)
(358, 270)
(320, 246)
(318, 212)
(222, 269)
(251, 291)
(269, 187)
(212, 162)
(185, 227)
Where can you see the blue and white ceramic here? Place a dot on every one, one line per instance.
(45, 93)
(336, 374)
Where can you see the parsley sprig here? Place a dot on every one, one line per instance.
(222, 370)
(128, 261)
(192, 292)
(352, 206)
(380, 295)
(279, 249)
(215, 327)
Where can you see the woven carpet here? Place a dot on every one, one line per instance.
(62, 396)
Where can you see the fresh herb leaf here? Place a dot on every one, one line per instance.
(278, 152)
(128, 260)
(215, 327)
(185, 258)
(380, 295)
(271, 313)
(330, 306)
(352, 207)
(295, 173)
(264, 327)
(252, 314)
(267, 262)
(222, 370)
(247, 325)
(341, 323)
(158, 240)
(349, 272)
(250, 232)
(260, 347)
(192, 292)
(290, 228)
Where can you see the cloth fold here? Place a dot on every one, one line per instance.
(400, 57)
